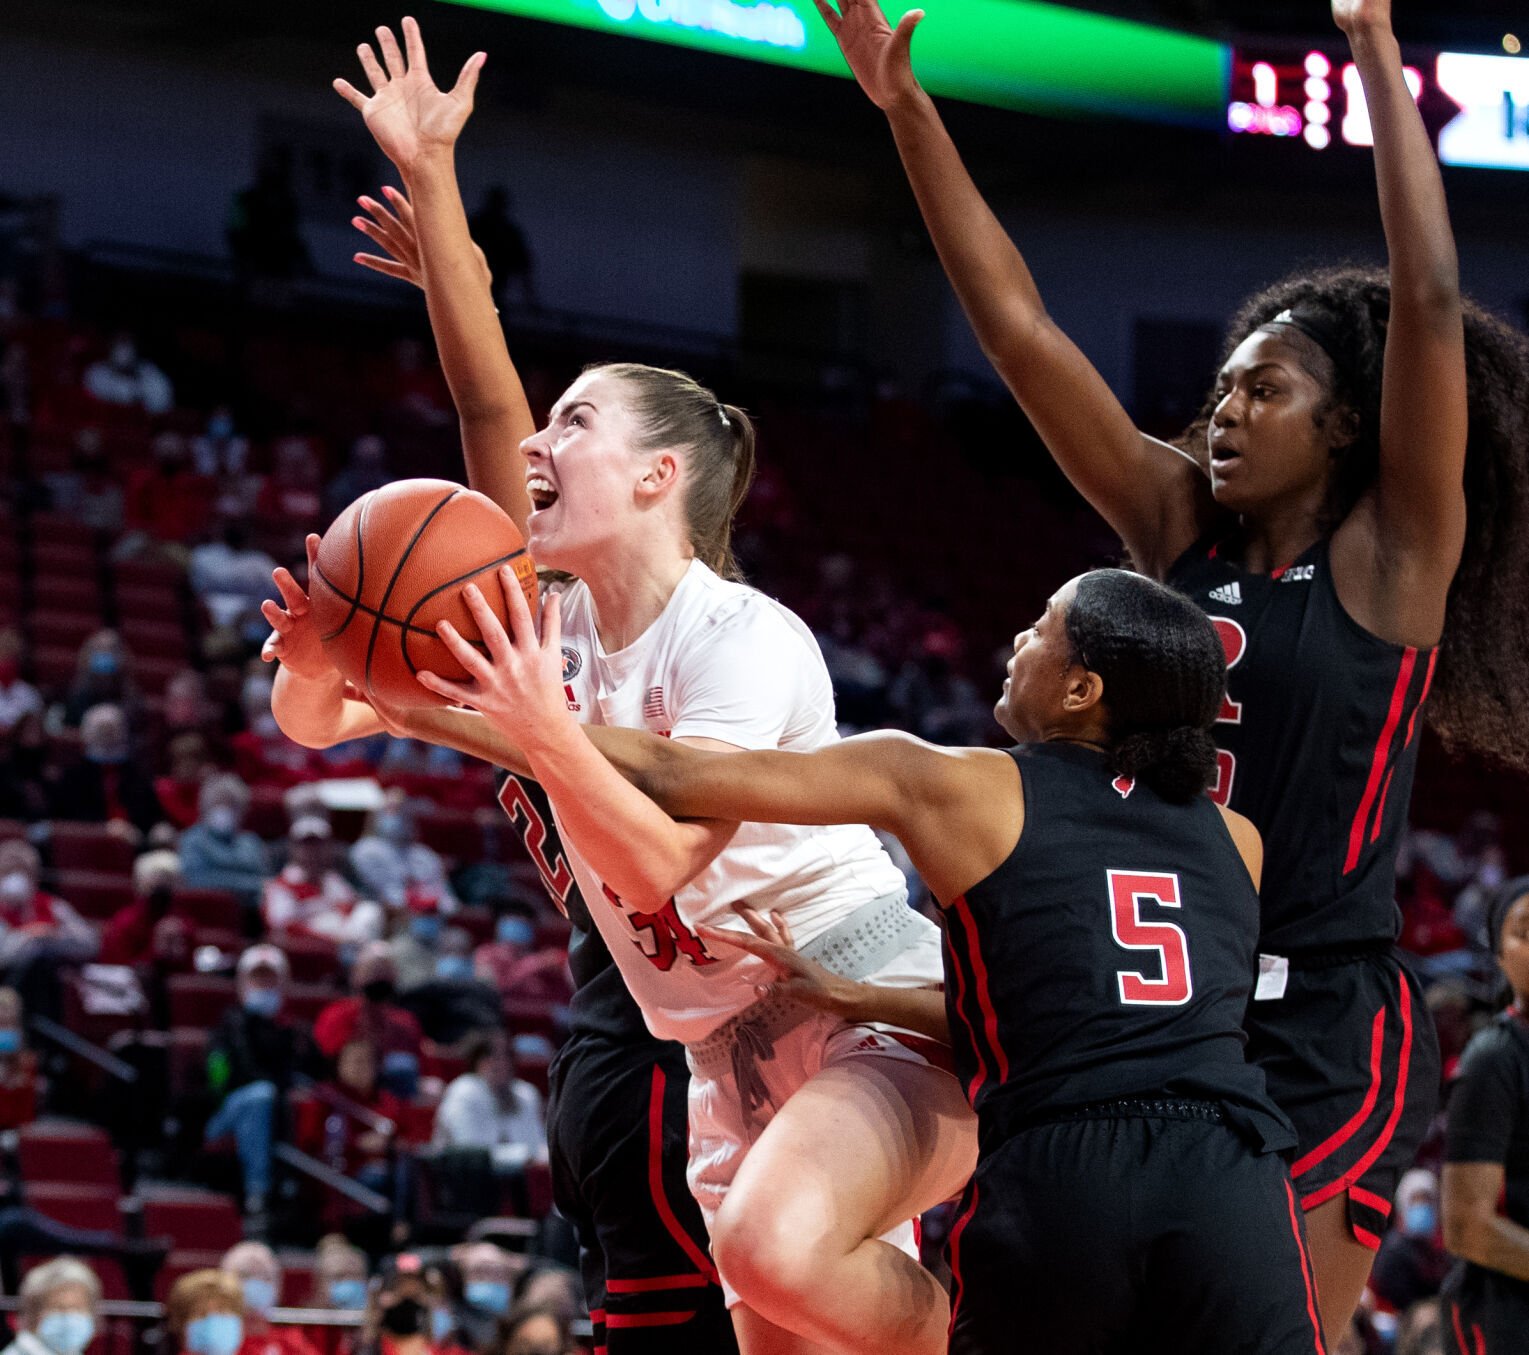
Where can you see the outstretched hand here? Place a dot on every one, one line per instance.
(1353, 16)
(803, 980)
(394, 233)
(518, 684)
(879, 55)
(406, 113)
(294, 638)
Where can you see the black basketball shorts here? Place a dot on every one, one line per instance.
(617, 1130)
(1350, 1055)
(1137, 1235)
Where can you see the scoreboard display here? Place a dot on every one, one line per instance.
(1476, 108)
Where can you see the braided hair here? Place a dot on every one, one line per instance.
(1164, 674)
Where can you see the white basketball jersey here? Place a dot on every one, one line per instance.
(724, 662)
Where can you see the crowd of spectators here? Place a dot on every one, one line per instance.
(387, 980)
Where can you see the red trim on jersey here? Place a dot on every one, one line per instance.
(657, 1282)
(1378, 762)
(618, 1321)
(957, 1287)
(1365, 1238)
(1433, 662)
(1398, 1103)
(1336, 1140)
(1481, 1341)
(656, 1182)
(1370, 1198)
(980, 1075)
(1311, 1292)
(1454, 1315)
(979, 985)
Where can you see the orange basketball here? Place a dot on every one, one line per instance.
(392, 565)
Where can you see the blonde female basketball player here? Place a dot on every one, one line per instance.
(811, 1138)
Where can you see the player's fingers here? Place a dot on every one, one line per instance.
(291, 591)
(757, 922)
(724, 936)
(353, 96)
(311, 546)
(478, 666)
(552, 624)
(902, 36)
(270, 651)
(372, 67)
(401, 204)
(500, 650)
(382, 218)
(830, 15)
(783, 927)
(389, 266)
(457, 693)
(467, 81)
(414, 44)
(522, 623)
(281, 622)
(391, 53)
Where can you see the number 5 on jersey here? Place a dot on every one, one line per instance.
(1129, 889)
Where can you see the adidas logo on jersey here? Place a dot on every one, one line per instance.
(1231, 594)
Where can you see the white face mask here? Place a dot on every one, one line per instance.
(222, 819)
(16, 886)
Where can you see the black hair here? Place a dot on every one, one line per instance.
(1164, 673)
(1509, 893)
(1481, 688)
(480, 1044)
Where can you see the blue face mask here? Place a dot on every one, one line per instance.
(1420, 1220)
(515, 930)
(400, 1074)
(493, 1296)
(440, 1324)
(215, 1334)
(67, 1333)
(10, 1040)
(105, 663)
(259, 1295)
(347, 1293)
(263, 1002)
(425, 929)
(454, 968)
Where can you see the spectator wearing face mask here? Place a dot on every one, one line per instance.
(417, 942)
(18, 1065)
(128, 938)
(88, 492)
(489, 1107)
(339, 1275)
(392, 867)
(252, 1060)
(259, 1274)
(204, 1313)
(309, 898)
(125, 378)
(372, 1014)
(39, 932)
(231, 577)
(1412, 1262)
(489, 1276)
(107, 786)
(514, 964)
(59, 1300)
(408, 1312)
(102, 677)
(215, 852)
(454, 1002)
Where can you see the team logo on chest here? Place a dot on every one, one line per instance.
(573, 664)
(1124, 785)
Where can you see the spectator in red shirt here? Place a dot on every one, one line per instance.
(168, 502)
(515, 966)
(309, 898)
(39, 932)
(256, 1268)
(372, 1015)
(180, 788)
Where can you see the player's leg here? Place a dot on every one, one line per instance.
(864, 1145)
(1342, 1264)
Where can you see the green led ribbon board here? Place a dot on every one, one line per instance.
(1020, 54)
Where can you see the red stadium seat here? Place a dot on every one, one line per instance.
(88, 846)
(182, 1261)
(207, 908)
(66, 593)
(297, 1271)
(65, 1151)
(199, 1220)
(478, 923)
(156, 639)
(452, 832)
(186, 1061)
(114, 1287)
(60, 628)
(304, 1001)
(94, 894)
(160, 574)
(154, 674)
(530, 1016)
(77, 1206)
(314, 960)
(61, 529)
(199, 1000)
(72, 559)
(148, 604)
(11, 829)
(54, 666)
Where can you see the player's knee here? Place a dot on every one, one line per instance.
(761, 1255)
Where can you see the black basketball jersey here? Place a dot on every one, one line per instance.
(1111, 956)
(1489, 1109)
(601, 1003)
(1319, 739)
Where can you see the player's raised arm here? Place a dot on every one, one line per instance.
(417, 125)
(1418, 502)
(1149, 493)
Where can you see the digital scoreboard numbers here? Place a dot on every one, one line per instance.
(1476, 108)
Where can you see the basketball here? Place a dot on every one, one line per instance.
(394, 564)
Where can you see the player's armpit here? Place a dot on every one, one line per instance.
(1250, 846)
